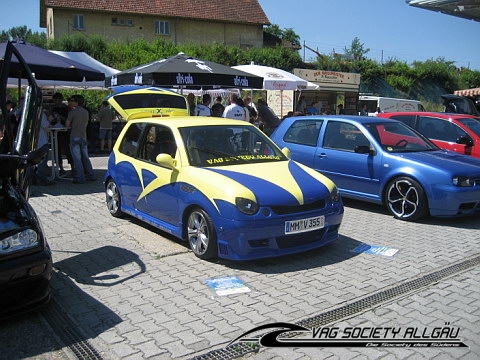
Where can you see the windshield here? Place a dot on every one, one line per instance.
(219, 145)
(398, 137)
(471, 123)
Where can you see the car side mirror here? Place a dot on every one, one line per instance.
(286, 152)
(167, 161)
(465, 140)
(363, 149)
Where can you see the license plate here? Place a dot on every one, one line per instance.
(298, 226)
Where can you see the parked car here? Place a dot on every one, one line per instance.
(459, 104)
(385, 161)
(223, 186)
(25, 257)
(455, 132)
(134, 102)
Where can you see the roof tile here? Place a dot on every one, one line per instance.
(244, 11)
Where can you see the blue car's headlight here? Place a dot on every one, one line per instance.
(22, 240)
(463, 181)
(246, 206)
(335, 194)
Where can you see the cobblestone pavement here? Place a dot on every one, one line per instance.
(123, 290)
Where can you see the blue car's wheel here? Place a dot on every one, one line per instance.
(405, 199)
(112, 197)
(201, 234)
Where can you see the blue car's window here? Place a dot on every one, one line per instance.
(398, 137)
(131, 139)
(303, 132)
(228, 145)
(344, 136)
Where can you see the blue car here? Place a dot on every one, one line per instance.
(221, 185)
(386, 162)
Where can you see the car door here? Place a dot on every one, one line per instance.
(302, 140)
(356, 174)
(156, 194)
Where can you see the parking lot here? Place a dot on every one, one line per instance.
(124, 290)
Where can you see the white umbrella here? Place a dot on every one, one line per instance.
(277, 79)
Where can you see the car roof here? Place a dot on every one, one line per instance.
(428, 113)
(353, 118)
(186, 121)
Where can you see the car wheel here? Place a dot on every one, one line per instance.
(112, 197)
(201, 235)
(406, 199)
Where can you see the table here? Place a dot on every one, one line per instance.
(53, 134)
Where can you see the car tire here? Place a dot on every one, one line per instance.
(112, 198)
(405, 199)
(201, 234)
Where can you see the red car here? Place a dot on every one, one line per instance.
(455, 132)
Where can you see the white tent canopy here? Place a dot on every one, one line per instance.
(277, 79)
(82, 58)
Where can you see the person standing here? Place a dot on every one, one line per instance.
(78, 119)
(267, 117)
(235, 111)
(41, 175)
(60, 113)
(191, 103)
(341, 110)
(364, 111)
(203, 109)
(105, 117)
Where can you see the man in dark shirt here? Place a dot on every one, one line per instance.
(78, 119)
(267, 117)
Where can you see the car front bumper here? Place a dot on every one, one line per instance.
(24, 282)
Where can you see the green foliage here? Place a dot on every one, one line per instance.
(21, 32)
(286, 34)
(422, 80)
(357, 50)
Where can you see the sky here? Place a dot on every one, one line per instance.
(391, 29)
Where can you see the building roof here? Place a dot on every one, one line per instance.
(244, 11)
(468, 9)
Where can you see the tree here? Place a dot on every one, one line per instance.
(287, 34)
(357, 50)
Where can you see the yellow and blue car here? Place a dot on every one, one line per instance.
(223, 186)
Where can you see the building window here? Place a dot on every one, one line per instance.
(162, 27)
(122, 22)
(78, 22)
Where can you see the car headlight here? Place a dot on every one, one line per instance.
(246, 206)
(335, 194)
(22, 240)
(463, 181)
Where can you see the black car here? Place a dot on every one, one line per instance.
(25, 257)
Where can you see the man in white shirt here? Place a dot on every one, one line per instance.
(235, 111)
(203, 109)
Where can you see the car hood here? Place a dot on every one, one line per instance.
(453, 162)
(274, 183)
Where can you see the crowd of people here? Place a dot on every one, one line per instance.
(71, 120)
(74, 119)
